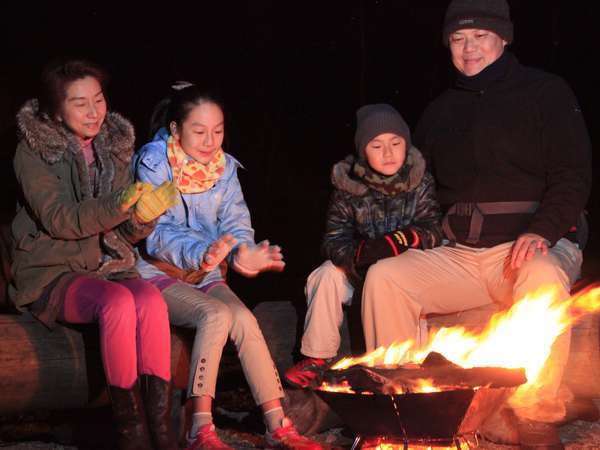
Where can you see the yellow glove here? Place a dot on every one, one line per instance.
(131, 195)
(154, 203)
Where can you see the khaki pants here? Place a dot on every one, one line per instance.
(217, 315)
(399, 290)
(327, 289)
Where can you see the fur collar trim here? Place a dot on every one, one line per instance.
(342, 179)
(51, 139)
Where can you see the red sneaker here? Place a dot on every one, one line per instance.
(306, 372)
(287, 437)
(207, 439)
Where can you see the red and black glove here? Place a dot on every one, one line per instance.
(370, 251)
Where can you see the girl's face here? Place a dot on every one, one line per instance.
(201, 133)
(386, 153)
(84, 108)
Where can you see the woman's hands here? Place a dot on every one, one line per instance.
(252, 260)
(152, 203)
(132, 194)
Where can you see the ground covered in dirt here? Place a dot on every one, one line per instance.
(238, 421)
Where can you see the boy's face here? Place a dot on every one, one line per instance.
(386, 153)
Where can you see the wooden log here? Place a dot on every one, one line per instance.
(388, 380)
(583, 368)
(40, 369)
(62, 369)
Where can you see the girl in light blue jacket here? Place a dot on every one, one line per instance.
(186, 253)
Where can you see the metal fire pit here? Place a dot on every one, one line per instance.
(436, 418)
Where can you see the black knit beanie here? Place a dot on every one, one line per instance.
(373, 120)
(493, 15)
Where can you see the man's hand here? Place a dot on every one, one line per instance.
(525, 247)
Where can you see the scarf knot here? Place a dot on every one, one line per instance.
(191, 176)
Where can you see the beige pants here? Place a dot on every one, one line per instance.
(327, 289)
(399, 290)
(217, 315)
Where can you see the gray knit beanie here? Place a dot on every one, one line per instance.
(493, 15)
(373, 120)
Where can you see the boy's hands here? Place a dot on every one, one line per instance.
(251, 260)
(217, 252)
(370, 251)
(153, 203)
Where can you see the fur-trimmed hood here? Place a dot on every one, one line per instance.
(341, 174)
(51, 139)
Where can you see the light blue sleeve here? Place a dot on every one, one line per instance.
(233, 214)
(172, 240)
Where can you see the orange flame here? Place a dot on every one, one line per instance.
(425, 385)
(342, 387)
(520, 337)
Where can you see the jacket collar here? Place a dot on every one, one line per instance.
(52, 140)
(342, 179)
(492, 73)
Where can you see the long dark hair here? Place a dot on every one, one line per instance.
(56, 77)
(176, 107)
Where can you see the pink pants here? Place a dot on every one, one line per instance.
(134, 326)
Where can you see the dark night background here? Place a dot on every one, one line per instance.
(292, 75)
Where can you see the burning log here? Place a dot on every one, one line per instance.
(439, 373)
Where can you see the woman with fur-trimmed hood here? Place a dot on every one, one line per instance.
(78, 215)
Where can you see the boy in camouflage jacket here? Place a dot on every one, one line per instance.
(383, 204)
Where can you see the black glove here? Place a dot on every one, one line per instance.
(370, 251)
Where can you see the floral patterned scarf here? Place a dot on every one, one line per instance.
(191, 176)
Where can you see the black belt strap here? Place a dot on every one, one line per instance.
(477, 210)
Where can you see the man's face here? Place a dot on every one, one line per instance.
(474, 49)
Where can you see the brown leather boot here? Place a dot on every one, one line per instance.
(157, 400)
(538, 436)
(128, 414)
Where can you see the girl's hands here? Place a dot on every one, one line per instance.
(217, 252)
(251, 260)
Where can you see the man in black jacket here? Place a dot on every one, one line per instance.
(511, 156)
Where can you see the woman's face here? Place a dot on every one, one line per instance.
(84, 108)
(386, 153)
(201, 133)
(473, 50)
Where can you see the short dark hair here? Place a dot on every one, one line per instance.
(56, 77)
(177, 106)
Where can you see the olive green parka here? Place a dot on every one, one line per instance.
(64, 224)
